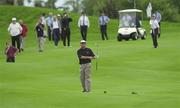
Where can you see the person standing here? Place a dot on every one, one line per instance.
(66, 32)
(158, 18)
(43, 18)
(85, 56)
(10, 52)
(103, 21)
(49, 21)
(59, 17)
(83, 24)
(40, 35)
(154, 30)
(56, 30)
(15, 31)
(23, 34)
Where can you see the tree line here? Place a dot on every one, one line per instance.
(170, 9)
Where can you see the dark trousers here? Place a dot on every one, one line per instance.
(66, 33)
(84, 32)
(104, 32)
(10, 59)
(50, 33)
(16, 39)
(56, 36)
(159, 34)
(154, 37)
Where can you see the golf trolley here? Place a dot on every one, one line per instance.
(130, 26)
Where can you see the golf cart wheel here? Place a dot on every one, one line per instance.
(119, 38)
(127, 39)
(144, 36)
(134, 36)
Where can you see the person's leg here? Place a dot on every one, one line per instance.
(49, 33)
(88, 77)
(64, 37)
(10, 59)
(22, 43)
(13, 41)
(55, 36)
(154, 38)
(82, 77)
(69, 36)
(39, 44)
(159, 34)
(105, 32)
(102, 33)
(85, 32)
(82, 32)
(18, 42)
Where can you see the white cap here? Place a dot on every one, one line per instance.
(14, 19)
(58, 15)
(83, 41)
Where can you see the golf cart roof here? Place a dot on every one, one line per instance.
(130, 10)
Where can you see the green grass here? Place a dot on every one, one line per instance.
(51, 79)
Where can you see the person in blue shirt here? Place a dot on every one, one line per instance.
(103, 21)
(49, 22)
(158, 18)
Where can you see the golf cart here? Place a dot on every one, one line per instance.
(130, 25)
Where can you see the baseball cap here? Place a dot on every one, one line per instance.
(82, 41)
(14, 19)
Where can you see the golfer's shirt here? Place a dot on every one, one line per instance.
(85, 52)
(154, 24)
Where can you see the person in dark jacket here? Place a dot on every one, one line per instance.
(66, 32)
(40, 35)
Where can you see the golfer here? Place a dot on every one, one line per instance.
(85, 56)
(83, 24)
(103, 21)
(15, 31)
(154, 30)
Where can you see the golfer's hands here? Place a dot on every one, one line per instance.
(91, 58)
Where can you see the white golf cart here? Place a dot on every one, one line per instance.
(130, 26)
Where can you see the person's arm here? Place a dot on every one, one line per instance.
(88, 22)
(87, 57)
(9, 28)
(79, 22)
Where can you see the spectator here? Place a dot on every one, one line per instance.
(23, 34)
(15, 31)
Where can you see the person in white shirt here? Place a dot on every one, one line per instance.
(56, 30)
(15, 31)
(83, 24)
(154, 30)
(158, 18)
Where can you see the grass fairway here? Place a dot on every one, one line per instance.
(51, 79)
